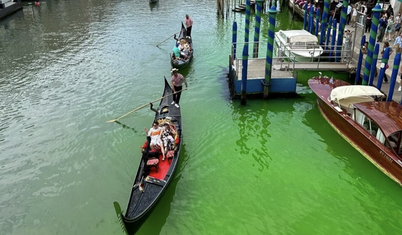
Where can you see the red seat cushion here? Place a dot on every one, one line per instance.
(152, 162)
(170, 154)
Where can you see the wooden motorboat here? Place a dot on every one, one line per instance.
(298, 45)
(152, 180)
(180, 63)
(363, 117)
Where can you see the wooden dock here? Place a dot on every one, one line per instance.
(281, 68)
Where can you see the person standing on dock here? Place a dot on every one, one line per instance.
(368, 23)
(189, 24)
(382, 25)
(398, 44)
(348, 14)
(386, 45)
(354, 16)
(390, 29)
(177, 85)
(397, 24)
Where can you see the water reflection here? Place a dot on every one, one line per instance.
(153, 5)
(253, 127)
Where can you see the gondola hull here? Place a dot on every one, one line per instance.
(150, 183)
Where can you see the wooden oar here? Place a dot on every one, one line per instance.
(142, 106)
(167, 39)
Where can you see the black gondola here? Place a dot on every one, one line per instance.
(180, 63)
(151, 181)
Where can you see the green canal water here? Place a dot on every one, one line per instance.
(270, 167)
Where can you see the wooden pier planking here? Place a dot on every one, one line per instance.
(256, 68)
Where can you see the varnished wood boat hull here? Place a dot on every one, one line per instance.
(378, 154)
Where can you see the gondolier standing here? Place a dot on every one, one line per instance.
(189, 24)
(177, 84)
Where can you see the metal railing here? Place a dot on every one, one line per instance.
(286, 58)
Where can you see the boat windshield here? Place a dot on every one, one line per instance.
(392, 142)
(298, 45)
(312, 45)
(369, 125)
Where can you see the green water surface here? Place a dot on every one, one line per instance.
(269, 167)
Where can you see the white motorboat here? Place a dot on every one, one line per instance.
(298, 45)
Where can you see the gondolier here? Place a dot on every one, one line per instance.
(189, 24)
(177, 85)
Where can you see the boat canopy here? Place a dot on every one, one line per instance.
(303, 38)
(349, 95)
(298, 36)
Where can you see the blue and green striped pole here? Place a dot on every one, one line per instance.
(234, 39)
(305, 17)
(270, 47)
(341, 29)
(373, 34)
(374, 62)
(394, 74)
(384, 61)
(322, 36)
(310, 21)
(327, 36)
(317, 21)
(244, 74)
(247, 29)
(257, 28)
(334, 24)
(326, 11)
(360, 60)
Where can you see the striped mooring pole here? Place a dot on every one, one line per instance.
(247, 29)
(317, 21)
(270, 47)
(327, 36)
(394, 74)
(373, 34)
(384, 62)
(360, 60)
(374, 68)
(341, 29)
(244, 75)
(234, 39)
(257, 28)
(310, 19)
(305, 17)
(333, 39)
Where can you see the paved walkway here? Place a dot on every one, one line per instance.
(385, 86)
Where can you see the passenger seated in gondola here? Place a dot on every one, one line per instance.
(187, 49)
(183, 48)
(176, 52)
(167, 137)
(154, 133)
(147, 152)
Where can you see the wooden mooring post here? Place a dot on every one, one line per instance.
(221, 8)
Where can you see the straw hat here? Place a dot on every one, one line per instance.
(174, 70)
